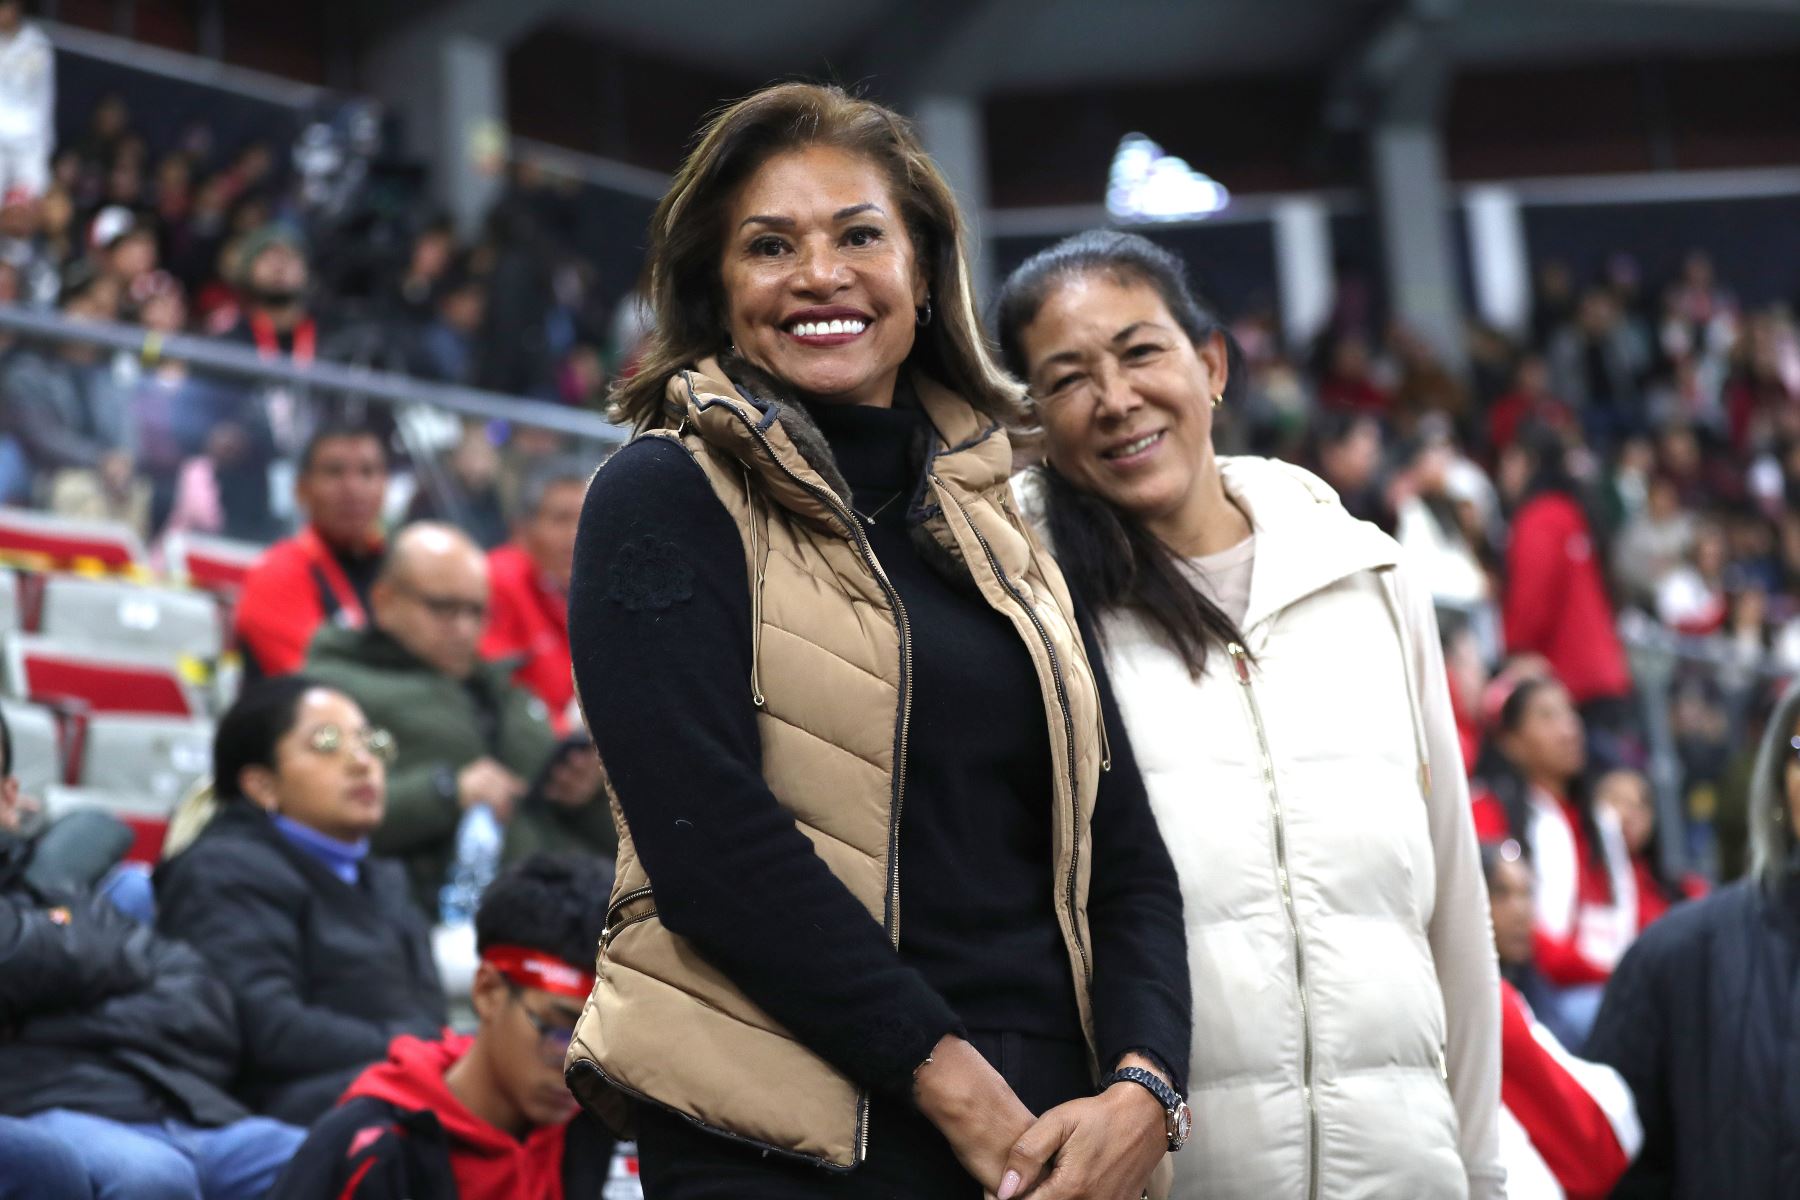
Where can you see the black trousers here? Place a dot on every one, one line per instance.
(908, 1158)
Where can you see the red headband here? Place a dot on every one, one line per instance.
(536, 969)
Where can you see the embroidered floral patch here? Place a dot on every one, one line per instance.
(650, 574)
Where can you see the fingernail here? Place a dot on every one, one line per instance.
(1009, 1186)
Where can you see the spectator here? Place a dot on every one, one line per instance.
(1348, 384)
(448, 346)
(1349, 459)
(126, 248)
(1586, 897)
(322, 575)
(1428, 528)
(1653, 544)
(1512, 892)
(412, 299)
(1555, 602)
(1627, 793)
(486, 1115)
(64, 410)
(465, 490)
(464, 734)
(27, 106)
(1530, 402)
(318, 942)
(119, 1047)
(274, 276)
(528, 614)
(1698, 1016)
(1596, 365)
(1691, 598)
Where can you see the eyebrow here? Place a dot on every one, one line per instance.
(842, 214)
(1070, 356)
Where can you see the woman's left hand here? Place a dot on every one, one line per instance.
(1101, 1147)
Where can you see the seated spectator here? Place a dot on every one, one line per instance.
(447, 346)
(1627, 793)
(274, 278)
(1654, 544)
(528, 613)
(63, 410)
(1698, 1017)
(1529, 402)
(1691, 598)
(119, 1045)
(1568, 1128)
(488, 1115)
(466, 489)
(1585, 896)
(322, 575)
(1348, 384)
(464, 734)
(318, 942)
(1512, 899)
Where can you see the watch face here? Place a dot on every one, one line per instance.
(1184, 1125)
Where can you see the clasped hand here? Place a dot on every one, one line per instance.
(1101, 1147)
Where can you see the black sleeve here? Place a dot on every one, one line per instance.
(1631, 1035)
(62, 958)
(659, 629)
(1142, 995)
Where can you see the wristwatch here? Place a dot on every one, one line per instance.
(1175, 1109)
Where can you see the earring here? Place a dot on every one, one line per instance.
(924, 314)
(1218, 399)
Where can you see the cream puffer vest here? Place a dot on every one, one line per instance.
(1291, 787)
(831, 687)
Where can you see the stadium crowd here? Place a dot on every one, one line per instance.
(1621, 479)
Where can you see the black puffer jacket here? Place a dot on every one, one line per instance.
(100, 1015)
(324, 974)
(1702, 1018)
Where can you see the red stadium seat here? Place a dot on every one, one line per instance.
(147, 818)
(36, 539)
(54, 672)
(216, 564)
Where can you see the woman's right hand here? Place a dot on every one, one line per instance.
(973, 1107)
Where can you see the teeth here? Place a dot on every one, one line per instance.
(1143, 443)
(827, 328)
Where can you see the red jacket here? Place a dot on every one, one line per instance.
(296, 586)
(1556, 602)
(529, 618)
(1578, 1116)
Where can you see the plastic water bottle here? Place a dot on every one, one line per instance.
(478, 838)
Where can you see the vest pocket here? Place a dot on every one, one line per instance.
(639, 904)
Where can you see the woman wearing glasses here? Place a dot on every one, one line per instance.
(324, 953)
(1699, 1014)
(1283, 685)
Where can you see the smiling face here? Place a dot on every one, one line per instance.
(1126, 399)
(821, 282)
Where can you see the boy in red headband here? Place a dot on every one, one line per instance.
(487, 1117)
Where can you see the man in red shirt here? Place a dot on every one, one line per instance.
(528, 605)
(324, 572)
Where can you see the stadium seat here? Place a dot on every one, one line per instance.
(54, 671)
(148, 820)
(113, 612)
(12, 608)
(215, 564)
(160, 758)
(37, 758)
(40, 540)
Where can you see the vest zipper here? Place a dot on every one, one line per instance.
(1240, 661)
(1062, 698)
(904, 726)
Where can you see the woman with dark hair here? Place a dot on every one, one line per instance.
(1283, 683)
(1627, 793)
(1555, 601)
(1699, 1015)
(815, 642)
(1586, 895)
(319, 943)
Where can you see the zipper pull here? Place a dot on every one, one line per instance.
(1240, 662)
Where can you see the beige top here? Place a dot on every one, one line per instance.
(1224, 578)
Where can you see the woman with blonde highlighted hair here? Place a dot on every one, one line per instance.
(837, 683)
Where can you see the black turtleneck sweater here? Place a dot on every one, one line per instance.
(666, 685)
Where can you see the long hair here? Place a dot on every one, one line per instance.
(1771, 835)
(1109, 557)
(687, 235)
(1513, 790)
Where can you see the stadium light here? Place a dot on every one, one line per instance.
(1147, 185)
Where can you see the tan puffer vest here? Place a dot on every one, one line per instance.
(832, 690)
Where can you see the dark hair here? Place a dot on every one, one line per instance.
(261, 716)
(6, 763)
(1513, 790)
(682, 284)
(339, 431)
(545, 474)
(555, 903)
(1109, 557)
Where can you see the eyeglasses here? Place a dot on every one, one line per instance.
(448, 608)
(329, 739)
(553, 1039)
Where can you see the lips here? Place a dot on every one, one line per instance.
(1136, 449)
(826, 327)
